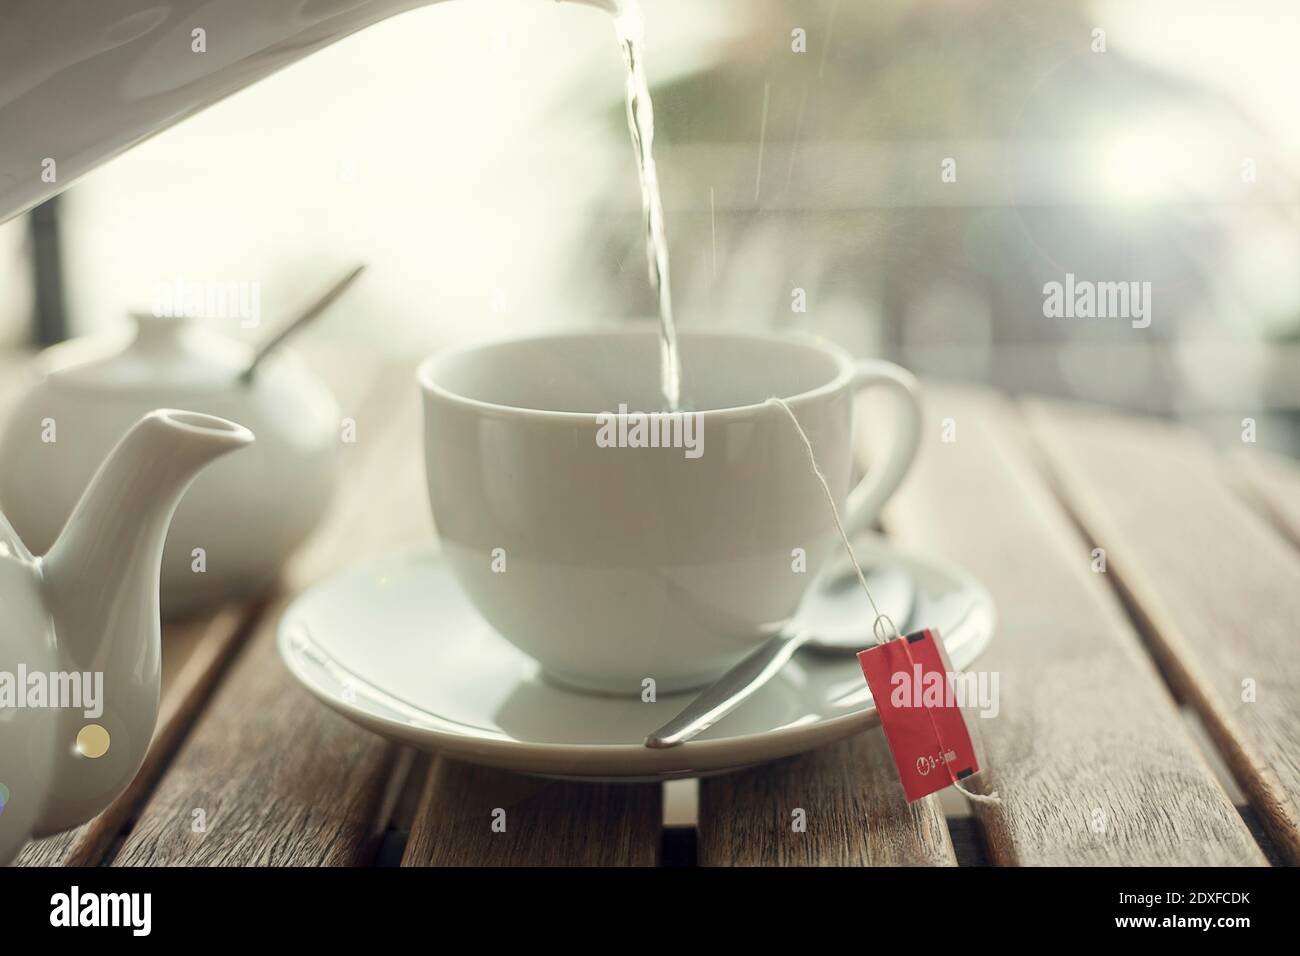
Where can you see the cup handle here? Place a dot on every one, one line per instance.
(866, 500)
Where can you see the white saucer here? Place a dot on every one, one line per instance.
(395, 646)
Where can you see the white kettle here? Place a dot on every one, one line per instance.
(81, 82)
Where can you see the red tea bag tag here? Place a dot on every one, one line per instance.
(926, 729)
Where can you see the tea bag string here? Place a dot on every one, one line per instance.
(878, 626)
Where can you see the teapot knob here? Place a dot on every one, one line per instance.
(159, 331)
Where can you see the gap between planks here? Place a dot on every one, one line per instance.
(1088, 752)
(1215, 587)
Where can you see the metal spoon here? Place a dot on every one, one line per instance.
(311, 312)
(835, 616)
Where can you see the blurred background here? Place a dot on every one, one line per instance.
(475, 155)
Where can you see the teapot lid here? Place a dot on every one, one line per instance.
(164, 352)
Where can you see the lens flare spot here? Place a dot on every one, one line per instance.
(92, 741)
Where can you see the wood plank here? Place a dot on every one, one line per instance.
(1270, 484)
(1216, 587)
(278, 780)
(282, 780)
(1087, 752)
(546, 822)
(854, 812)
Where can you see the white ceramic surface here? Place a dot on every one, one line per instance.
(394, 645)
(247, 514)
(626, 563)
(91, 606)
(81, 82)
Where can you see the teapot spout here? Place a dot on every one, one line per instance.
(107, 557)
(101, 584)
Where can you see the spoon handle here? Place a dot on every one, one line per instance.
(310, 313)
(727, 693)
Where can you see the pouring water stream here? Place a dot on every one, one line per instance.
(629, 26)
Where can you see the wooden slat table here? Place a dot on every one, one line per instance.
(1103, 674)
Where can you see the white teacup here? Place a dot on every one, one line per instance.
(612, 564)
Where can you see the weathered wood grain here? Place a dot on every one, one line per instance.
(1217, 589)
(1270, 484)
(281, 780)
(854, 813)
(270, 776)
(546, 822)
(1087, 752)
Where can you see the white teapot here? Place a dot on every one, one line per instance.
(80, 649)
(245, 516)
